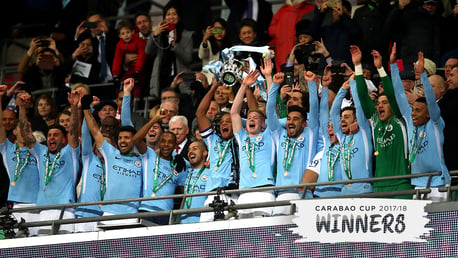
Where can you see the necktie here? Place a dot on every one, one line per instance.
(103, 59)
(177, 149)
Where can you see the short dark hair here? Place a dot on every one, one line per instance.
(125, 24)
(127, 128)
(58, 127)
(421, 99)
(352, 108)
(138, 14)
(299, 109)
(247, 22)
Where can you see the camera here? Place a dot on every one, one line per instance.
(43, 43)
(217, 30)
(171, 26)
(188, 76)
(304, 55)
(90, 25)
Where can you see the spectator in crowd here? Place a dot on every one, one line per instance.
(83, 67)
(439, 87)
(104, 109)
(179, 126)
(104, 49)
(415, 28)
(282, 28)
(37, 44)
(129, 43)
(144, 26)
(449, 63)
(171, 47)
(196, 181)
(449, 39)
(258, 10)
(296, 144)
(46, 108)
(425, 132)
(247, 36)
(63, 119)
(390, 147)
(215, 39)
(448, 105)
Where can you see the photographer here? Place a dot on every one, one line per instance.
(36, 46)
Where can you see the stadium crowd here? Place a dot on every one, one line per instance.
(349, 94)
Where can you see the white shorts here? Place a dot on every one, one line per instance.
(285, 210)
(86, 227)
(118, 221)
(28, 216)
(209, 216)
(256, 197)
(54, 215)
(435, 195)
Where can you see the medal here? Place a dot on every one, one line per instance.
(254, 175)
(222, 153)
(153, 194)
(290, 150)
(216, 169)
(376, 153)
(349, 184)
(189, 188)
(285, 174)
(13, 183)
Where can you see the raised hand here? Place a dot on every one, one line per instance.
(74, 98)
(326, 79)
(296, 87)
(377, 59)
(309, 76)
(348, 70)
(356, 55)
(420, 65)
(95, 101)
(266, 69)
(3, 89)
(22, 99)
(278, 78)
(251, 78)
(346, 84)
(393, 54)
(129, 84)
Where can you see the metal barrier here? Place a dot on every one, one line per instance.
(171, 213)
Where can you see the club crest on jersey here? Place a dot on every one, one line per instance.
(300, 138)
(204, 178)
(259, 138)
(138, 163)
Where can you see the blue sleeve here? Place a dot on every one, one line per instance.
(314, 105)
(272, 118)
(335, 112)
(400, 93)
(324, 111)
(360, 116)
(126, 119)
(433, 107)
(86, 140)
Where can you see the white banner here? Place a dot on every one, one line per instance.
(361, 220)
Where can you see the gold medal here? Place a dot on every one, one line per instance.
(349, 184)
(13, 183)
(376, 153)
(254, 175)
(216, 169)
(153, 194)
(100, 205)
(286, 173)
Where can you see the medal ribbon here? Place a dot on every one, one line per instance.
(288, 159)
(18, 170)
(103, 185)
(156, 169)
(222, 154)
(415, 145)
(50, 169)
(191, 190)
(331, 163)
(346, 156)
(250, 153)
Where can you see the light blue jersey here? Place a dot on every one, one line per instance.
(330, 161)
(262, 148)
(60, 188)
(425, 141)
(220, 154)
(293, 154)
(164, 181)
(356, 149)
(126, 115)
(123, 179)
(91, 177)
(23, 175)
(195, 183)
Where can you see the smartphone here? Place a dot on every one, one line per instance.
(217, 30)
(171, 26)
(90, 25)
(43, 43)
(188, 76)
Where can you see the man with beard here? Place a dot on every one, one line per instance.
(58, 167)
(161, 175)
(425, 129)
(354, 133)
(256, 152)
(223, 152)
(123, 168)
(196, 180)
(296, 144)
(388, 126)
